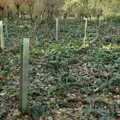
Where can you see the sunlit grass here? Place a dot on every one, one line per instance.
(111, 46)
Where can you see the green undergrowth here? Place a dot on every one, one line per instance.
(65, 77)
(94, 74)
(60, 71)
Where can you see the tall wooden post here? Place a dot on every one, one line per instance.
(24, 74)
(6, 28)
(57, 29)
(85, 35)
(2, 42)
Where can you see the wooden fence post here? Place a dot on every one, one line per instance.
(24, 74)
(57, 29)
(2, 42)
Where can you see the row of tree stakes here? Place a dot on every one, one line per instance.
(24, 83)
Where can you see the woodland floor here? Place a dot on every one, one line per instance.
(67, 81)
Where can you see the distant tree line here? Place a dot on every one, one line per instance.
(47, 10)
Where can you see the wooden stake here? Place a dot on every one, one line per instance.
(85, 36)
(2, 42)
(57, 29)
(6, 28)
(24, 74)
